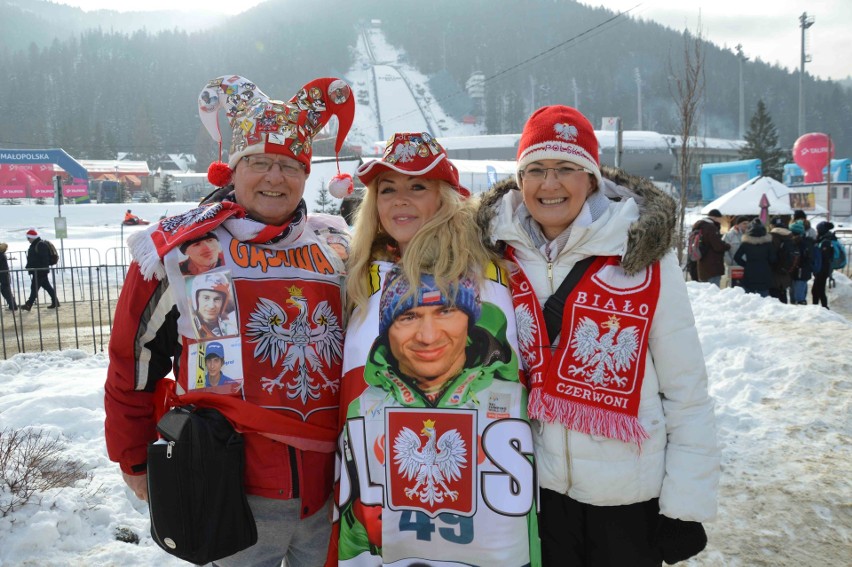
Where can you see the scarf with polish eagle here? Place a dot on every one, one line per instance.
(150, 246)
(591, 381)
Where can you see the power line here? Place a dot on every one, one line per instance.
(586, 34)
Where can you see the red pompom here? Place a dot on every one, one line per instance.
(219, 174)
(341, 185)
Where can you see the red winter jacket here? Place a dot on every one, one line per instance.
(145, 347)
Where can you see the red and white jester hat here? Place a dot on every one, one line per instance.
(263, 125)
(417, 155)
(559, 132)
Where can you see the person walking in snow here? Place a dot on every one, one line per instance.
(38, 266)
(625, 437)
(5, 283)
(805, 246)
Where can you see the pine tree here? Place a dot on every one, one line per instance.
(762, 143)
(325, 204)
(166, 194)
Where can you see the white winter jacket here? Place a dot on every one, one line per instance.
(680, 462)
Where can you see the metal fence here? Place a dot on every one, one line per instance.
(87, 287)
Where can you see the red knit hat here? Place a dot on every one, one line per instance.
(263, 125)
(32, 234)
(415, 154)
(559, 132)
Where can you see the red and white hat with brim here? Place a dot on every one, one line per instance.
(32, 234)
(417, 155)
(559, 132)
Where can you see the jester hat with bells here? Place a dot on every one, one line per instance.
(263, 125)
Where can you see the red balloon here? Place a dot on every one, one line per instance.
(811, 152)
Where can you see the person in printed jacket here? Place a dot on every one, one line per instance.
(285, 297)
(435, 453)
(624, 431)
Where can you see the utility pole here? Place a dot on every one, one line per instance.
(742, 59)
(805, 22)
(638, 78)
(576, 90)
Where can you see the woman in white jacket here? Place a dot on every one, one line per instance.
(625, 437)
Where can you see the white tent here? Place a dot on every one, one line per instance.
(745, 199)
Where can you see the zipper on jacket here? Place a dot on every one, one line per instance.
(169, 448)
(550, 276)
(568, 456)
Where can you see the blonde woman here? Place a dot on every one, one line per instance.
(436, 449)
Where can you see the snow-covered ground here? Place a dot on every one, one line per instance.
(780, 376)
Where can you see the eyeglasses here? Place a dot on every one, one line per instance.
(564, 173)
(264, 164)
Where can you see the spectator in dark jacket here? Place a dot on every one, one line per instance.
(5, 285)
(38, 266)
(826, 248)
(711, 266)
(787, 259)
(805, 245)
(756, 255)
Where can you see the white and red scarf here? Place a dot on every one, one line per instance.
(592, 381)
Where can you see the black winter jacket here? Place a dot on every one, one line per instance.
(38, 255)
(757, 256)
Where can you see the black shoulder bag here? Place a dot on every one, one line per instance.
(554, 307)
(196, 496)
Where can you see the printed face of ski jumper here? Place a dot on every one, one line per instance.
(204, 253)
(210, 304)
(214, 366)
(554, 203)
(405, 204)
(270, 197)
(429, 344)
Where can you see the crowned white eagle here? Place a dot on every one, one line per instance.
(303, 344)
(434, 465)
(603, 357)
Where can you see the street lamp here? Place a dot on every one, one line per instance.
(742, 59)
(805, 22)
(638, 78)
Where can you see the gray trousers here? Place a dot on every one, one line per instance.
(284, 540)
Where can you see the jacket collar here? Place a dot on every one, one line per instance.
(647, 214)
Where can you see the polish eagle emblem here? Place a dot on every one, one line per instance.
(433, 465)
(602, 356)
(304, 343)
(567, 132)
(526, 326)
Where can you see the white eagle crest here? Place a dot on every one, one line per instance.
(526, 335)
(434, 465)
(567, 132)
(405, 152)
(603, 357)
(303, 344)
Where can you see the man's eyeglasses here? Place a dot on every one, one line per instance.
(264, 164)
(563, 173)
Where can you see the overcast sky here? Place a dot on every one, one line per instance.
(768, 30)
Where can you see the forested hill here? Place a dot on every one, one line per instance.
(94, 91)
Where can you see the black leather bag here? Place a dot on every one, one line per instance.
(196, 497)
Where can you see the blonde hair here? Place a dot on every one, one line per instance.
(3, 247)
(447, 246)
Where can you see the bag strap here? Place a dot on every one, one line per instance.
(249, 418)
(554, 307)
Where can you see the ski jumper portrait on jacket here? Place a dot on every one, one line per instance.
(625, 440)
(435, 457)
(271, 310)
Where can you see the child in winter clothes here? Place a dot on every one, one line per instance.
(756, 255)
